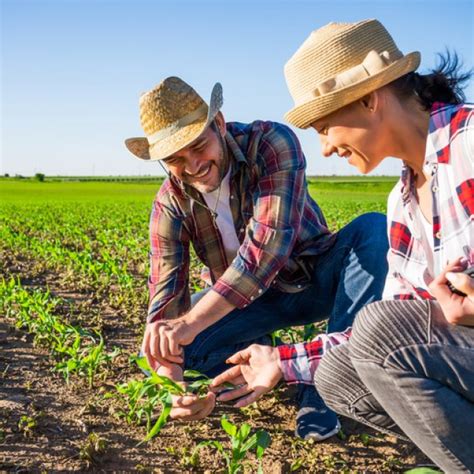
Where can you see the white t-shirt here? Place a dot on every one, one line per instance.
(224, 220)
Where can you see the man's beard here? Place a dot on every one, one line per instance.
(222, 165)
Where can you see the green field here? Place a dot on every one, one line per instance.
(73, 297)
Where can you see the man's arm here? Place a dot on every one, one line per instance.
(268, 243)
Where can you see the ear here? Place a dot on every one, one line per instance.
(220, 121)
(370, 102)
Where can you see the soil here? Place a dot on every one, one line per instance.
(74, 428)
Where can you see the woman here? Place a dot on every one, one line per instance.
(408, 363)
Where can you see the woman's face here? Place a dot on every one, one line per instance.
(355, 133)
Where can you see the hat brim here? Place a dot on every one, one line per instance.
(302, 116)
(140, 147)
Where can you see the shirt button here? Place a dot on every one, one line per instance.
(252, 298)
(260, 291)
(434, 189)
(438, 235)
(232, 197)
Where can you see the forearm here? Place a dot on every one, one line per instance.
(208, 310)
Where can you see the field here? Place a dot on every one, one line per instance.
(73, 266)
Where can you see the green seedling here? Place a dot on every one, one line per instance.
(27, 425)
(93, 448)
(242, 442)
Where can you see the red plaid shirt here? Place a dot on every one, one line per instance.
(449, 160)
(279, 226)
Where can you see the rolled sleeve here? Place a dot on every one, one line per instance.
(299, 362)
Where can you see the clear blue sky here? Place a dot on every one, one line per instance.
(72, 70)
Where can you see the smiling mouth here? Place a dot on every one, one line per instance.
(202, 174)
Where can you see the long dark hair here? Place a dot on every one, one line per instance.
(445, 83)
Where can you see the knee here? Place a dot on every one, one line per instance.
(329, 383)
(371, 230)
(383, 327)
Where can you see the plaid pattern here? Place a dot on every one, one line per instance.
(300, 361)
(449, 160)
(279, 226)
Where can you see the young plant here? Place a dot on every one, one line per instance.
(242, 442)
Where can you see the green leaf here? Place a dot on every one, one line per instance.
(244, 431)
(263, 441)
(194, 374)
(161, 420)
(229, 428)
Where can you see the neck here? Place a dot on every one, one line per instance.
(410, 131)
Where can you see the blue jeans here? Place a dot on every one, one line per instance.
(348, 276)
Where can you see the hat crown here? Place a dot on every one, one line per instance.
(167, 103)
(333, 49)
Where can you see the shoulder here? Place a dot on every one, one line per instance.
(271, 144)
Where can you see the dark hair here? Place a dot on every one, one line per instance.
(445, 83)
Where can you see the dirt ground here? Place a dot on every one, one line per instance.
(47, 425)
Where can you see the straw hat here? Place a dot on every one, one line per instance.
(339, 64)
(172, 115)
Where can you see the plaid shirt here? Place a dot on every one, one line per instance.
(279, 226)
(449, 160)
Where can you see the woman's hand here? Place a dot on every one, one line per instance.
(257, 371)
(457, 309)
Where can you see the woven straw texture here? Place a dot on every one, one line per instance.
(330, 51)
(162, 111)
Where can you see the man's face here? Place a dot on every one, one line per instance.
(203, 163)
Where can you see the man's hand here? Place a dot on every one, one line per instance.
(192, 407)
(187, 407)
(257, 371)
(163, 341)
(456, 309)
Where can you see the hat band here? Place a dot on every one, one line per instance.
(175, 126)
(373, 63)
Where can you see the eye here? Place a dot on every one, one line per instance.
(323, 130)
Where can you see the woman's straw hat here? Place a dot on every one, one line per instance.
(172, 115)
(339, 64)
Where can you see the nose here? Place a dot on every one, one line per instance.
(192, 164)
(326, 148)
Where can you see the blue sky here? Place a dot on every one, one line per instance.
(72, 70)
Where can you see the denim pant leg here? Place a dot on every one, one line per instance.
(242, 327)
(420, 370)
(352, 273)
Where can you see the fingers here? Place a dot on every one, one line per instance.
(159, 346)
(191, 407)
(462, 282)
(227, 376)
(240, 357)
(233, 394)
(252, 397)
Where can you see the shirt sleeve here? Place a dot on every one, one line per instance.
(277, 213)
(299, 362)
(169, 263)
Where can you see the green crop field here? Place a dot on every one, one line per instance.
(73, 296)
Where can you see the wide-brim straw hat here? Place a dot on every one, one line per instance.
(339, 64)
(172, 116)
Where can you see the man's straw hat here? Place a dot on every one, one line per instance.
(172, 115)
(339, 64)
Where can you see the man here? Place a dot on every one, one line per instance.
(237, 193)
